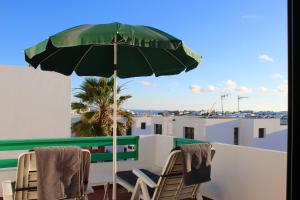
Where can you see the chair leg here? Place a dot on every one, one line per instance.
(199, 196)
(8, 190)
(140, 188)
(136, 191)
(106, 187)
(145, 192)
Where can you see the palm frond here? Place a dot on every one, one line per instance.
(90, 117)
(82, 129)
(122, 99)
(98, 92)
(78, 106)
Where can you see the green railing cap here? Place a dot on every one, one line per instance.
(31, 144)
(180, 141)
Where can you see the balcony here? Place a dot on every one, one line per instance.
(237, 172)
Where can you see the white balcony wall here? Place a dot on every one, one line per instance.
(246, 173)
(34, 103)
(237, 172)
(163, 147)
(102, 172)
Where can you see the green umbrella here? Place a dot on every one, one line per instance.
(113, 49)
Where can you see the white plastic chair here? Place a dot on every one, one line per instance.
(170, 184)
(25, 186)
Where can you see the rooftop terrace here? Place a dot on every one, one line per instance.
(237, 172)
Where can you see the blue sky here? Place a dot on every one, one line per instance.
(243, 44)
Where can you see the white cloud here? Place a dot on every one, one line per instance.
(147, 84)
(234, 87)
(282, 89)
(231, 85)
(276, 76)
(265, 57)
(212, 88)
(243, 89)
(263, 89)
(196, 89)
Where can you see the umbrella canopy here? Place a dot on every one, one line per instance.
(88, 50)
(113, 49)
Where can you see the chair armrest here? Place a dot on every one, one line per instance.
(144, 178)
(8, 189)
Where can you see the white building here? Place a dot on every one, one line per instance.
(262, 133)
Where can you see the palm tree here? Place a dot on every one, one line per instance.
(96, 108)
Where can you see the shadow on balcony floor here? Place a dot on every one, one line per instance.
(122, 193)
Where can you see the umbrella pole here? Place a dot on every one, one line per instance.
(114, 195)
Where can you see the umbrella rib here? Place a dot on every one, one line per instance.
(51, 54)
(120, 41)
(175, 57)
(147, 61)
(85, 53)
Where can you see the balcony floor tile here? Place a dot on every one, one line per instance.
(122, 194)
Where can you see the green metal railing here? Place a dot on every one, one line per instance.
(31, 144)
(180, 141)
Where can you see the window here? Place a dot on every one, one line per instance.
(158, 129)
(261, 132)
(236, 136)
(189, 132)
(129, 131)
(143, 125)
(130, 147)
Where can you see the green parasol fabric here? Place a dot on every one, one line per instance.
(88, 50)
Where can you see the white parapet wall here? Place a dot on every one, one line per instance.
(34, 103)
(101, 172)
(246, 173)
(238, 172)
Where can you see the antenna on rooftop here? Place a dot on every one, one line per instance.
(211, 110)
(239, 98)
(223, 97)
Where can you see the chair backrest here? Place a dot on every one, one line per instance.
(26, 182)
(171, 184)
